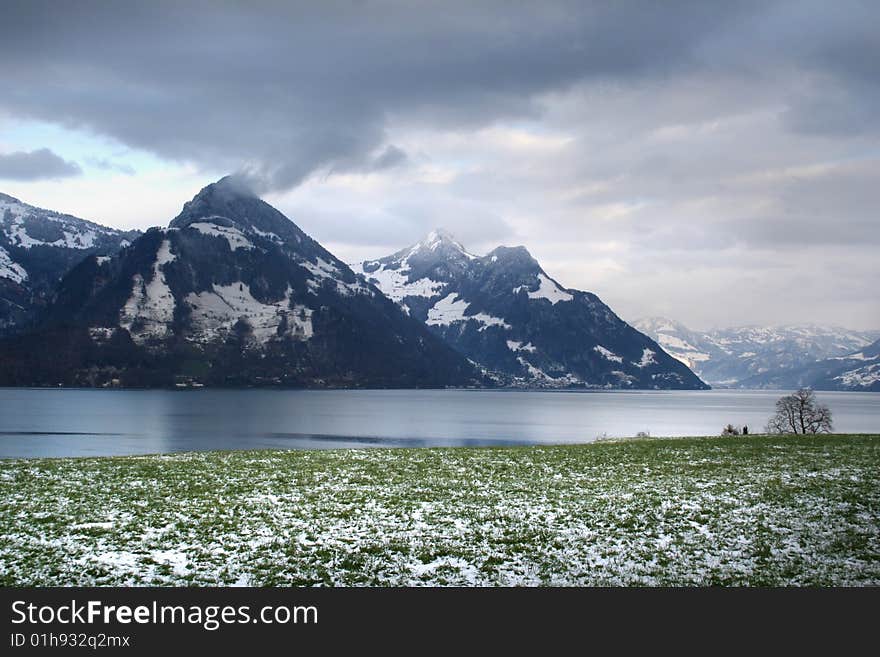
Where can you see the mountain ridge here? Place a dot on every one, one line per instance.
(858, 371)
(37, 248)
(230, 293)
(504, 312)
(756, 356)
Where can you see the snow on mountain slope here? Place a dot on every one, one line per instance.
(608, 354)
(522, 327)
(678, 341)
(865, 378)
(859, 371)
(37, 247)
(547, 289)
(216, 311)
(234, 237)
(10, 269)
(25, 226)
(755, 356)
(149, 311)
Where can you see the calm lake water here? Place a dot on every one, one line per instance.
(40, 422)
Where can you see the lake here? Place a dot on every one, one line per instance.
(50, 422)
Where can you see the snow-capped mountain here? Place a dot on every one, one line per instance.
(37, 247)
(754, 357)
(859, 371)
(231, 293)
(519, 325)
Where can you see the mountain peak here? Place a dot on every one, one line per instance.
(233, 185)
(512, 254)
(440, 242)
(258, 300)
(439, 237)
(227, 189)
(231, 201)
(507, 316)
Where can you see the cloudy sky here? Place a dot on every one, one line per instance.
(717, 163)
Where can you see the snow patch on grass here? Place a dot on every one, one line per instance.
(765, 511)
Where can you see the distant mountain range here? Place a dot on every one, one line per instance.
(231, 293)
(788, 357)
(859, 371)
(37, 248)
(515, 322)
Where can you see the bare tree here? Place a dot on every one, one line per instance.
(800, 412)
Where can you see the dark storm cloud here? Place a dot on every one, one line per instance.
(649, 151)
(282, 91)
(392, 156)
(41, 164)
(841, 61)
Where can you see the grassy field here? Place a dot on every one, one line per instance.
(696, 511)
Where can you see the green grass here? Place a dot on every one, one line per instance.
(697, 511)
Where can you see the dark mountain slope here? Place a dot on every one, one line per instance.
(231, 293)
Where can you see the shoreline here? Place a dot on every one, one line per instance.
(610, 440)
